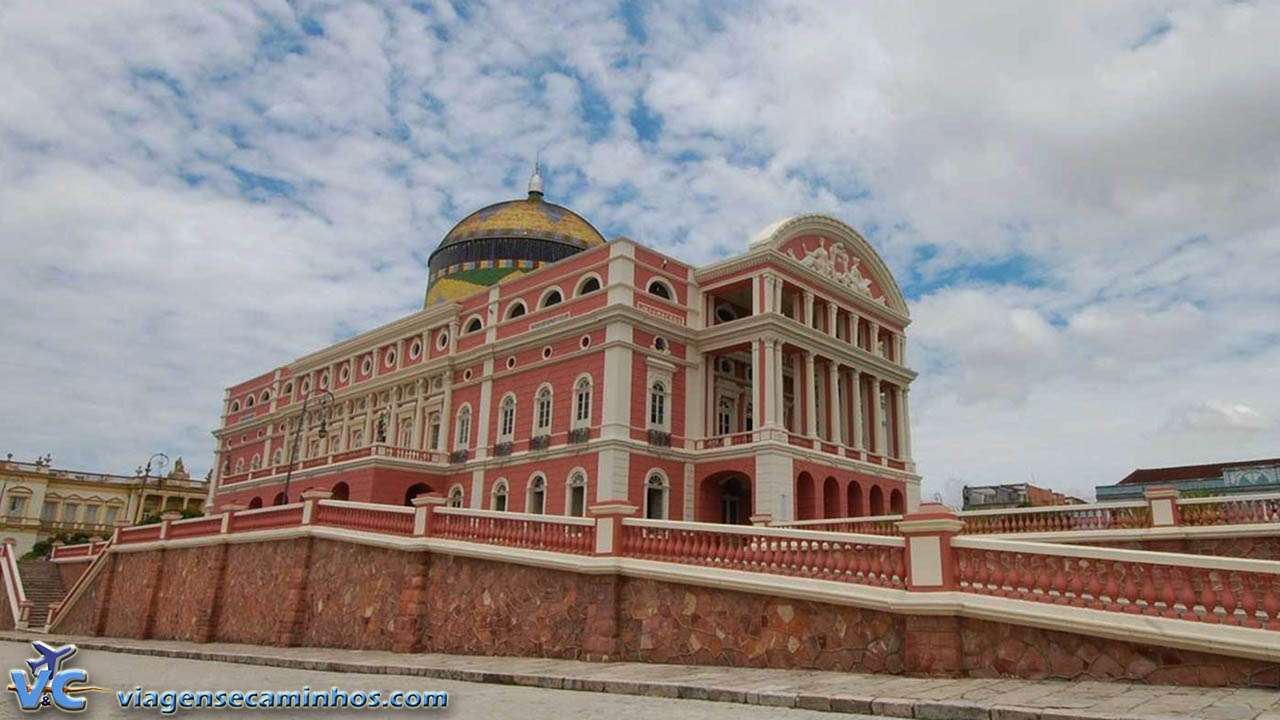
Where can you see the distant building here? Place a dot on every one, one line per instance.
(1224, 478)
(991, 497)
(38, 501)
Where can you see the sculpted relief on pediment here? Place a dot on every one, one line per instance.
(834, 261)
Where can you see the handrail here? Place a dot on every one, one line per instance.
(536, 517)
(1238, 497)
(767, 531)
(13, 583)
(55, 609)
(1199, 588)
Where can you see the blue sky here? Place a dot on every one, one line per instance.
(1079, 208)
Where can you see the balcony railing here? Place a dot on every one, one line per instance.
(430, 457)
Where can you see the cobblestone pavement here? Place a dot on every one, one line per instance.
(486, 685)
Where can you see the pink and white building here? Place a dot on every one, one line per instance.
(574, 371)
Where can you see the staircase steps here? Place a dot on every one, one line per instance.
(42, 583)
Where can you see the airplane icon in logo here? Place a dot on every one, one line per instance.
(50, 657)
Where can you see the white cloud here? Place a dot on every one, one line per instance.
(1082, 209)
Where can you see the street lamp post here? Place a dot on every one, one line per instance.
(161, 461)
(326, 404)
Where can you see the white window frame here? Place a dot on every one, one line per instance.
(507, 425)
(542, 300)
(458, 493)
(570, 486)
(659, 371)
(579, 420)
(666, 493)
(462, 430)
(671, 291)
(502, 489)
(537, 482)
(582, 281)
(544, 391)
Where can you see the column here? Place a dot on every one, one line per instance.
(810, 400)
(906, 426)
(873, 337)
(758, 377)
(853, 328)
(393, 428)
(442, 444)
(369, 405)
(832, 316)
(779, 397)
(416, 441)
(899, 425)
(807, 317)
(797, 393)
(873, 422)
(855, 399)
(833, 403)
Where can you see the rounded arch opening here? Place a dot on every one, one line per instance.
(877, 500)
(414, 491)
(280, 499)
(897, 502)
(805, 507)
(588, 284)
(831, 498)
(341, 491)
(725, 497)
(853, 499)
(255, 503)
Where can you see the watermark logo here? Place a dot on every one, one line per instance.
(49, 683)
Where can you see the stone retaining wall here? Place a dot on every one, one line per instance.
(328, 593)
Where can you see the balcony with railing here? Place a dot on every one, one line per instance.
(426, 458)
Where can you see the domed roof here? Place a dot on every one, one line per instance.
(505, 239)
(530, 217)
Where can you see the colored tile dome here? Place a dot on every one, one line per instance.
(504, 239)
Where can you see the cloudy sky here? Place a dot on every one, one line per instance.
(1081, 200)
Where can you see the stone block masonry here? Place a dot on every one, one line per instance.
(325, 592)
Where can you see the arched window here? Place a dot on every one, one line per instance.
(463, 433)
(577, 504)
(248, 402)
(256, 462)
(515, 309)
(235, 406)
(266, 396)
(507, 419)
(278, 457)
(552, 298)
(455, 497)
(240, 466)
(341, 491)
(313, 450)
(499, 500)
(660, 289)
(406, 436)
(542, 412)
(357, 439)
(537, 500)
(655, 497)
(433, 431)
(582, 402)
(280, 499)
(658, 405)
(474, 325)
(255, 503)
(590, 285)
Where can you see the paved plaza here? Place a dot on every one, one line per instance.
(535, 688)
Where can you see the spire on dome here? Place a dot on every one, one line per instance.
(535, 181)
